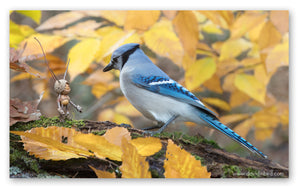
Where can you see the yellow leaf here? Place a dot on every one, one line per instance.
(100, 89)
(217, 103)
(255, 32)
(265, 121)
(233, 48)
(214, 84)
(237, 98)
(280, 19)
(244, 127)
(211, 28)
(116, 134)
(112, 38)
(113, 116)
(251, 86)
(119, 119)
(199, 72)
(170, 14)
(118, 17)
(49, 43)
(127, 109)
(220, 18)
(17, 33)
(186, 26)
(99, 145)
(161, 39)
(228, 83)
(261, 75)
(227, 119)
(279, 56)
(269, 36)
(85, 29)
(98, 77)
(55, 143)
(35, 15)
(60, 20)
(246, 22)
(146, 146)
(103, 174)
(181, 164)
(141, 20)
(82, 55)
(133, 164)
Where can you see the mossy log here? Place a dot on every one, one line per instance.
(220, 163)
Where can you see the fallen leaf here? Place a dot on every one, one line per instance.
(116, 134)
(52, 143)
(181, 164)
(99, 145)
(146, 146)
(133, 164)
(103, 174)
(23, 111)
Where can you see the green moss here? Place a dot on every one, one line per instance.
(100, 133)
(231, 171)
(45, 122)
(187, 138)
(21, 159)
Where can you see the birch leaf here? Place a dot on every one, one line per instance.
(55, 143)
(181, 164)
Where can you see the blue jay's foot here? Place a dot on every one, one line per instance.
(151, 133)
(152, 127)
(125, 125)
(163, 127)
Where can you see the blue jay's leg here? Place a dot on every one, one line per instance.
(163, 127)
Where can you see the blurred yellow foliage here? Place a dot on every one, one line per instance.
(230, 56)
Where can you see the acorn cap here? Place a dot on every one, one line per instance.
(59, 86)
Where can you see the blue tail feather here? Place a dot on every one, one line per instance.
(230, 133)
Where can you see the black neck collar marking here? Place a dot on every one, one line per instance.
(126, 55)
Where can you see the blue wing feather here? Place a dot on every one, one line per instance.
(167, 87)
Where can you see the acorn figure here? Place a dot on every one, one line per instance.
(62, 88)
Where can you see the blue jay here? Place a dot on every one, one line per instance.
(160, 98)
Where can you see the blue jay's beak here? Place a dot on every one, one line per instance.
(108, 67)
